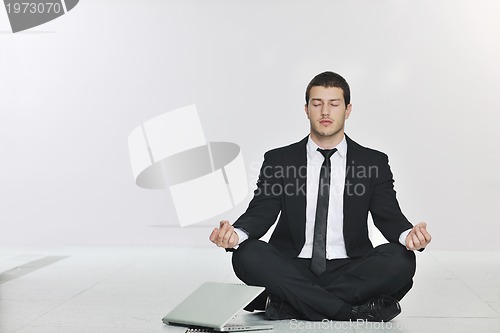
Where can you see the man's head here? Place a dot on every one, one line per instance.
(327, 107)
(327, 80)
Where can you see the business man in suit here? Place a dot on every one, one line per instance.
(319, 262)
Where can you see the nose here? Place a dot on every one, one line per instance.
(325, 110)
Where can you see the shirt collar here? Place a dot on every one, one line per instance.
(312, 147)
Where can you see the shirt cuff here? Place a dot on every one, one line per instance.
(242, 236)
(402, 237)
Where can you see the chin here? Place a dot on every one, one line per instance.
(327, 133)
(324, 134)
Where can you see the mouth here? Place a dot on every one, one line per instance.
(325, 121)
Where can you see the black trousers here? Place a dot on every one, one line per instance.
(386, 270)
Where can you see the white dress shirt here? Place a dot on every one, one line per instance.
(335, 245)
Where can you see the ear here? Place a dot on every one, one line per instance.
(306, 110)
(348, 111)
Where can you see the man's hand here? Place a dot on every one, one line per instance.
(224, 236)
(418, 238)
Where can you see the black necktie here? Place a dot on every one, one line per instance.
(318, 260)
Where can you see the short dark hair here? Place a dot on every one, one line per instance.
(328, 80)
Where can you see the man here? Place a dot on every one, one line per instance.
(319, 262)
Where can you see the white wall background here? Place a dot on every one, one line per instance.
(424, 77)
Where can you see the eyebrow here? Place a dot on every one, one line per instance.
(320, 100)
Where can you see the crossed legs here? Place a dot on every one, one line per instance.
(386, 270)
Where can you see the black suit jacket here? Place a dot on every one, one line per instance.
(282, 188)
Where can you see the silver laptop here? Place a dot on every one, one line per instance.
(213, 305)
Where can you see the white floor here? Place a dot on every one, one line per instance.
(130, 289)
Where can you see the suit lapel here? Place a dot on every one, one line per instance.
(296, 203)
(349, 183)
(352, 198)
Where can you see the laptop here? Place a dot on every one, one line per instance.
(213, 305)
